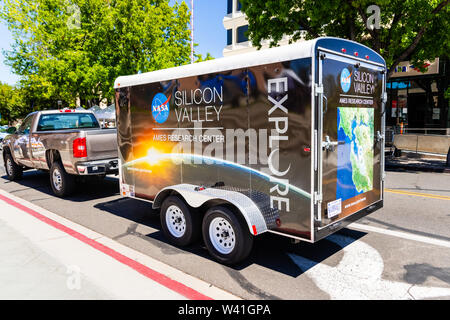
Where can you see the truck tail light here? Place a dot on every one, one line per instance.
(79, 148)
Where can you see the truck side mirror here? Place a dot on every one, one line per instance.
(11, 130)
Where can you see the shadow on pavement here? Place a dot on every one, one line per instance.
(84, 191)
(269, 250)
(410, 164)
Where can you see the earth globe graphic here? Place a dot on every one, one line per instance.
(345, 79)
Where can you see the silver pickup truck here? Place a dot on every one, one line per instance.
(68, 143)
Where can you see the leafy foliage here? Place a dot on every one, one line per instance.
(415, 30)
(200, 58)
(66, 50)
(12, 105)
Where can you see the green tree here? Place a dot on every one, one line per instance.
(415, 30)
(69, 49)
(200, 58)
(12, 105)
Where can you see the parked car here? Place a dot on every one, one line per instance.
(3, 134)
(68, 143)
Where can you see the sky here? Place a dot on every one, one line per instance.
(209, 33)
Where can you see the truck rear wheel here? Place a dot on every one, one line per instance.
(13, 170)
(180, 225)
(62, 183)
(226, 236)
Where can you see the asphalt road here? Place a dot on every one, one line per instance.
(379, 259)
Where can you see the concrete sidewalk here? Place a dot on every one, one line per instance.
(28, 272)
(44, 256)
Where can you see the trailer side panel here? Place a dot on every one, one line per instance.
(245, 130)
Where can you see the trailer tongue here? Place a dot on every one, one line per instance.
(287, 140)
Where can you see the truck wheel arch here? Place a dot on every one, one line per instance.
(5, 151)
(52, 156)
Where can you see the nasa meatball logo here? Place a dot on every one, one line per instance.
(346, 80)
(160, 107)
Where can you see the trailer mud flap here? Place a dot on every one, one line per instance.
(254, 206)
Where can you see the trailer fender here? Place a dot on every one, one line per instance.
(196, 196)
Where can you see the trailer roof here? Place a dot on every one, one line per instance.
(293, 51)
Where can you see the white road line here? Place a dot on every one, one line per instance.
(399, 234)
(359, 275)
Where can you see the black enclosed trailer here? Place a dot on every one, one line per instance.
(286, 140)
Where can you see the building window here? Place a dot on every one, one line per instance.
(229, 6)
(229, 37)
(239, 6)
(241, 34)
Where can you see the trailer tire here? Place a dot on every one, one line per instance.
(62, 183)
(179, 224)
(226, 235)
(13, 170)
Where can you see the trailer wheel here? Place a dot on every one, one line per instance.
(180, 225)
(226, 236)
(62, 183)
(13, 170)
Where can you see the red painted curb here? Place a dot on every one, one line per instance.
(142, 269)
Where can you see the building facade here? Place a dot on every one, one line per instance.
(415, 99)
(236, 25)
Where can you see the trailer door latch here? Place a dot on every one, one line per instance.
(328, 144)
(318, 89)
(317, 197)
(379, 136)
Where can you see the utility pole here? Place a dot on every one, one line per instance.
(192, 31)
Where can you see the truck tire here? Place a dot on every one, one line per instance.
(226, 235)
(62, 183)
(179, 224)
(13, 170)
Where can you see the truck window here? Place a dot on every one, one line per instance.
(26, 125)
(66, 121)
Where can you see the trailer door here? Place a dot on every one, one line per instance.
(349, 131)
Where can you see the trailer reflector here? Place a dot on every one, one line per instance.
(254, 230)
